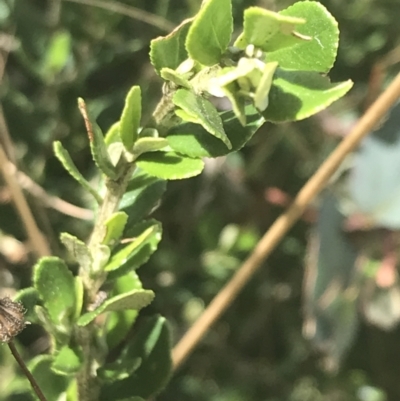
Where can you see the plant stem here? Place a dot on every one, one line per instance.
(26, 371)
(281, 226)
(87, 386)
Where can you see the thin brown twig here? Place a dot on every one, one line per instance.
(281, 226)
(50, 201)
(26, 371)
(39, 244)
(132, 12)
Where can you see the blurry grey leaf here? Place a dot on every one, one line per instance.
(374, 183)
(330, 286)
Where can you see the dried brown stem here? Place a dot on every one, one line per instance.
(39, 244)
(26, 371)
(129, 11)
(281, 226)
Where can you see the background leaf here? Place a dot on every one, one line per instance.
(152, 343)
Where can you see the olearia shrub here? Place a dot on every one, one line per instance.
(275, 70)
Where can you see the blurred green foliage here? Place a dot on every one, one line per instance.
(59, 50)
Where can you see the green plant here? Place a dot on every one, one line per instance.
(274, 71)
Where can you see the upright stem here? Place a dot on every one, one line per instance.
(87, 385)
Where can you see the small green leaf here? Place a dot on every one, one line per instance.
(135, 300)
(238, 102)
(192, 139)
(78, 251)
(65, 159)
(148, 144)
(29, 298)
(120, 322)
(296, 95)
(178, 79)
(317, 54)
(51, 384)
(169, 51)
(130, 118)
(170, 165)
(261, 97)
(97, 143)
(263, 26)
(56, 287)
(112, 135)
(79, 296)
(152, 343)
(137, 252)
(203, 111)
(58, 52)
(210, 33)
(68, 361)
(115, 226)
(101, 255)
(142, 196)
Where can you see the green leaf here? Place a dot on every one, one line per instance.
(56, 287)
(29, 297)
(51, 384)
(98, 145)
(120, 322)
(130, 118)
(112, 135)
(135, 300)
(148, 144)
(152, 343)
(202, 111)
(78, 251)
(263, 27)
(178, 79)
(210, 33)
(296, 95)
(317, 54)
(65, 159)
(169, 51)
(142, 195)
(68, 361)
(115, 226)
(146, 235)
(170, 165)
(58, 52)
(192, 140)
(261, 97)
(79, 296)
